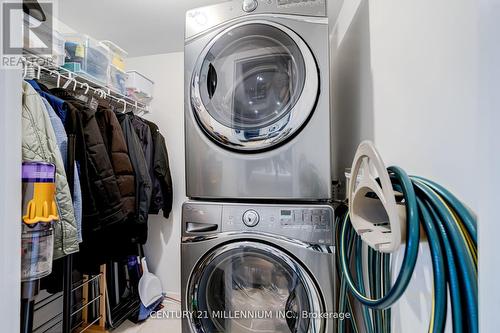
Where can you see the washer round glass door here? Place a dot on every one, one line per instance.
(254, 86)
(250, 287)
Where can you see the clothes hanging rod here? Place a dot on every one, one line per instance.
(77, 81)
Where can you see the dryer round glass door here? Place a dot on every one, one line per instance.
(255, 85)
(245, 287)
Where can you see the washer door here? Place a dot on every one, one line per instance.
(246, 287)
(254, 86)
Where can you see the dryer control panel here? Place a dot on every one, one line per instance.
(202, 19)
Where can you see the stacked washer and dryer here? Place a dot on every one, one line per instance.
(257, 232)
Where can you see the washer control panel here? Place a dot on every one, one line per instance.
(309, 223)
(251, 218)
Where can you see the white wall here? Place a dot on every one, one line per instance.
(163, 246)
(10, 198)
(410, 71)
(489, 139)
(10, 189)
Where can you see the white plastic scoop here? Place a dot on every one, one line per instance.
(150, 289)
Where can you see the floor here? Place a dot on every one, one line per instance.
(155, 325)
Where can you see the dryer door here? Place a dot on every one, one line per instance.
(245, 287)
(255, 85)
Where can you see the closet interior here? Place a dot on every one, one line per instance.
(107, 169)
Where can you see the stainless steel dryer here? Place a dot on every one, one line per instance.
(257, 120)
(257, 268)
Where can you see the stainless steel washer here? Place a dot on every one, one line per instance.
(257, 118)
(257, 268)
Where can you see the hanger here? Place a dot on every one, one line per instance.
(39, 71)
(101, 93)
(58, 82)
(25, 73)
(68, 82)
(124, 104)
(87, 87)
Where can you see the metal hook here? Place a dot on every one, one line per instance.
(58, 83)
(25, 73)
(102, 93)
(124, 105)
(39, 71)
(67, 83)
(85, 84)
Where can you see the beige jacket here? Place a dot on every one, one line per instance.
(39, 144)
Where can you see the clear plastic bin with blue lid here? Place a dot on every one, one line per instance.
(87, 57)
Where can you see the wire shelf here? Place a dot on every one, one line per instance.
(40, 68)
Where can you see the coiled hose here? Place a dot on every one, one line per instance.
(452, 236)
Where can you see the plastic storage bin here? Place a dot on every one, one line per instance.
(139, 87)
(58, 51)
(118, 55)
(93, 57)
(117, 80)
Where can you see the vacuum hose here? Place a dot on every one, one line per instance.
(452, 237)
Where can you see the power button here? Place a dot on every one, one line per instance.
(250, 5)
(251, 218)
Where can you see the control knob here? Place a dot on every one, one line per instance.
(251, 218)
(250, 5)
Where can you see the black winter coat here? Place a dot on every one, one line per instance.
(103, 198)
(161, 172)
(144, 134)
(105, 235)
(142, 177)
(116, 147)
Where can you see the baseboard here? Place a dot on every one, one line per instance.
(173, 296)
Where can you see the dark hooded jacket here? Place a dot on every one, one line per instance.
(102, 204)
(116, 146)
(144, 134)
(142, 177)
(163, 198)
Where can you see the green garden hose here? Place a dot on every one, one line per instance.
(452, 236)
